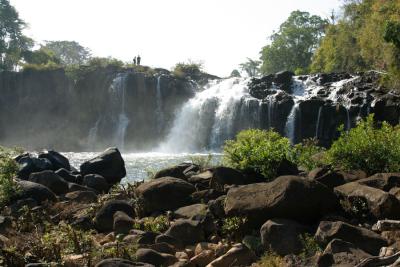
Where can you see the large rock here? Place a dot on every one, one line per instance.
(362, 238)
(190, 211)
(187, 231)
(154, 257)
(57, 160)
(51, 180)
(382, 181)
(97, 182)
(38, 192)
(287, 197)
(327, 177)
(108, 164)
(341, 253)
(66, 175)
(238, 255)
(175, 171)
(82, 196)
(105, 216)
(222, 176)
(362, 200)
(117, 262)
(163, 194)
(122, 223)
(28, 164)
(282, 236)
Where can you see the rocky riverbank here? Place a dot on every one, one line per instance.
(188, 215)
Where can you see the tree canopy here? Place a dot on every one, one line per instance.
(69, 52)
(293, 46)
(251, 67)
(12, 41)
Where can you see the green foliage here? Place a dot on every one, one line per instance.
(367, 147)
(310, 246)
(191, 70)
(292, 47)
(257, 151)
(251, 67)
(235, 73)
(41, 56)
(12, 41)
(303, 154)
(8, 169)
(392, 33)
(153, 224)
(69, 52)
(270, 259)
(41, 67)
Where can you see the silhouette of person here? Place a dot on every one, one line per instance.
(138, 58)
(134, 61)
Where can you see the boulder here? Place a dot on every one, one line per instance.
(327, 177)
(283, 80)
(175, 171)
(362, 238)
(204, 196)
(222, 176)
(187, 231)
(35, 191)
(57, 160)
(117, 262)
(238, 255)
(201, 179)
(72, 187)
(122, 223)
(108, 164)
(154, 257)
(51, 180)
(163, 248)
(164, 194)
(28, 164)
(282, 236)
(341, 253)
(287, 197)
(104, 218)
(216, 207)
(82, 196)
(286, 167)
(362, 200)
(66, 175)
(176, 243)
(382, 181)
(97, 182)
(190, 211)
(203, 258)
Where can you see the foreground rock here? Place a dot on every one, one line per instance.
(341, 253)
(108, 164)
(187, 231)
(154, 257)
(362, 238)
(164, 194)
(104, 219)
(287, 197)
(238, 255)
(51, 180)
(117, 262)
(57, 160)
(35, 191)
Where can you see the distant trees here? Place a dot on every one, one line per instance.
(190, 69)
(12, 41)
(69, 52)
(293, 46)
(235, 73)
(251, 67)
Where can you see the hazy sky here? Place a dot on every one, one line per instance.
(221, 33)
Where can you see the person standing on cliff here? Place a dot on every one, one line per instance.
(134, 61)
(138, 58)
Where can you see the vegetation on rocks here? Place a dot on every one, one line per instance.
(8, 169)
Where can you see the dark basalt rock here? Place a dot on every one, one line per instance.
(104, 217)
(51, 180)
(38, 192)
(57, 160)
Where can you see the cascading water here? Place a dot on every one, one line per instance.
(317, 127)
(120, 120)
(92, 137)
(209, 118)
(290, 127)
(159, 108)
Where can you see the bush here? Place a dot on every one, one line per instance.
(257, 151)
(191, 70)
(153, 224)
(367, 147)
(8, 169)
(303, 154)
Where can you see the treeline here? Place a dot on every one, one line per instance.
(365, 36)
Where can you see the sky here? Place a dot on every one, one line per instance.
(219, 33)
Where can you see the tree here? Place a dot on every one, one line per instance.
(41, 56)
(69, 52)
(235, 73)
(251, 67)
(12, 41)
(293, 46)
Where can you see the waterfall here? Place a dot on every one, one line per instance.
(348, 120)
(270, 111)
(159, 108)
(318, 122)
(290, 127)
(92, 137)
(208, 119)
(120, 120)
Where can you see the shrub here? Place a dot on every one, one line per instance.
(270, 260)
(303, 154)
(190, 70)
(234, 227)
(310, 246)
(367, 147)
(153, 224)
(257, 151)
(8, 169)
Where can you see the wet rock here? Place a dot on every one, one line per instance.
(187, 231)
(164, 194)
(238, 255)
(154, 257)
(96, 182)
(283, 80)
(38, 192)
(190, 211)
(58, 161)
(82, 196)
(51, 180)
(104, 218)
(282, 236)
(362, 238)
(280, 199)
(368, 201)
(108, 164)
(122, 223)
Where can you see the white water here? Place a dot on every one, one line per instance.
(318, 122)
(206, 120)
(121, 121)
(159, 108)
(290, 127)
(92, 138)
